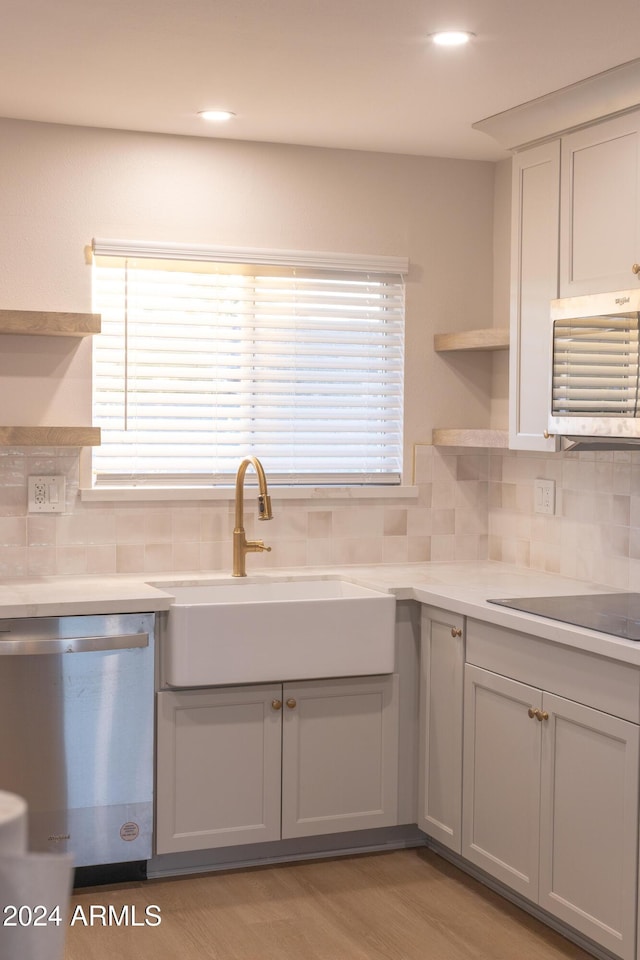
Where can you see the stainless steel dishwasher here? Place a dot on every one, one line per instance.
(76, 732)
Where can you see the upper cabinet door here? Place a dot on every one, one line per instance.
(534, 284)
(599, 216)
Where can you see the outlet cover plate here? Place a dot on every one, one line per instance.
(46, 494)
(545, 497)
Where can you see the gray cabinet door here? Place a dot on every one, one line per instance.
(501, 793)
(441, 691)
(218, 767)
(340, 755)
(589, 822)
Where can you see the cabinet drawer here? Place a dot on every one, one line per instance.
(606, 685)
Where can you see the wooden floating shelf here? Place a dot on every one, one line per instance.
(49, 436)
(42, 324)
(493, 338)
(470, 438)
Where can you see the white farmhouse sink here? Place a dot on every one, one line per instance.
(247, 632)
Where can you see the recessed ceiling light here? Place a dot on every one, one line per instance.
(452, 38)
(218, 116)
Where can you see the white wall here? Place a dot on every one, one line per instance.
(61, 186)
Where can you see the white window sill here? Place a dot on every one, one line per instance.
(142, 494)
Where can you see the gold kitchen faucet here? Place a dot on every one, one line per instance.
(242, 546)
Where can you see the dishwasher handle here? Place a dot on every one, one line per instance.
(31, 646)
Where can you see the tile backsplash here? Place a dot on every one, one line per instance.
(446, 521)
(471, 505)
(595, 532)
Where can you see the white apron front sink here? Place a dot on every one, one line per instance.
(248, 632)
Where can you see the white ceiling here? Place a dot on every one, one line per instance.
(357, 74)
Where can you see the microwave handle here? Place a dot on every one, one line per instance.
(31, 646)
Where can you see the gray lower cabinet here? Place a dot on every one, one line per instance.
(218, 767)
(551, 804)
(265, 762)
(550, 779)
(440, 739)
(529, 769)
(339, 755)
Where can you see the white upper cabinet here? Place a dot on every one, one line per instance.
(534, 283)
(600, 207)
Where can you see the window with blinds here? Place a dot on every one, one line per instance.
(202, 361)
(595, 366)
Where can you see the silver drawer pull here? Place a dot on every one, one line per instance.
(33, 646)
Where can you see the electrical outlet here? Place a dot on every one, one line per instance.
(545, 496)
(46, 494)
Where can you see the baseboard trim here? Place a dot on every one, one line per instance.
(285, 851)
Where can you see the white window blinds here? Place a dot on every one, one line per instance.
(203, 361)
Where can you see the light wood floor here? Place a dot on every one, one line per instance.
(403, 905)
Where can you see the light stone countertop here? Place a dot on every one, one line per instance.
(462, 588)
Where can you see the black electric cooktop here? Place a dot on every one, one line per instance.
(615, 613)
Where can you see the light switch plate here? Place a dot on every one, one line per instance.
(46, 494)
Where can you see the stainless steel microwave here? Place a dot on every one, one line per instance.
(595, 383)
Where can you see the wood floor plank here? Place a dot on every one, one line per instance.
(403, 905)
